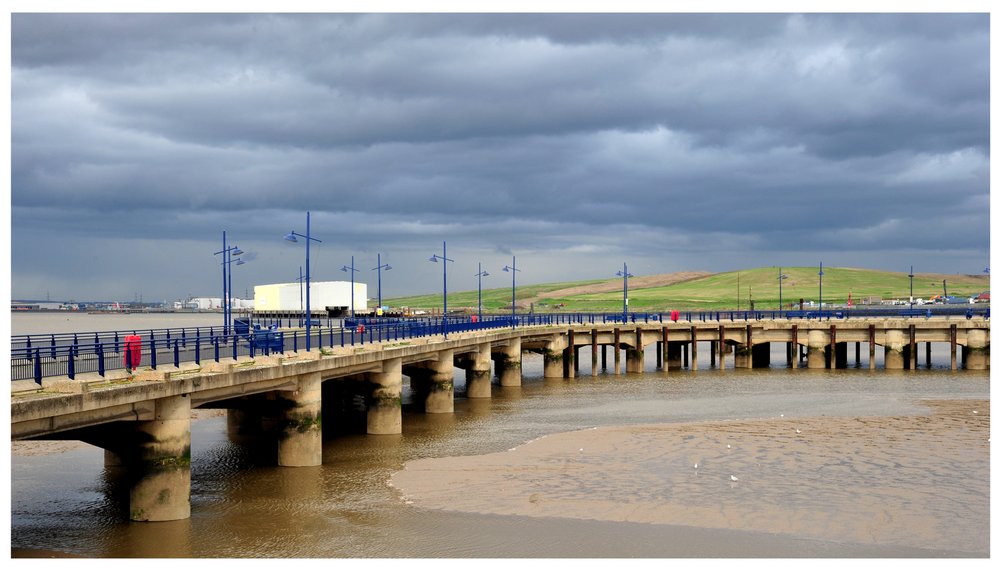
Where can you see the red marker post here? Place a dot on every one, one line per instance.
(133, 352)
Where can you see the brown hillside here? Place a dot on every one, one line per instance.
(641, 282)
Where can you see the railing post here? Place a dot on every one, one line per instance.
(38, 367)
(215, 341)
(197, 350)
(152, 353)
(235, 343)
(295, 341)
(53, 350)
(177, 354)
(100, 358)
(72, 366)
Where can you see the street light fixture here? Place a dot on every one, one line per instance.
(911, 288)
(482, 273)
(444, 264)
(625, 276)
(380, 267)
(352, 271)
(227, 253)
(512, 268)
(781, 277)
(821, 290)
(291, 237)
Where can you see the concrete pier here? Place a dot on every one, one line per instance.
(477, 373)
(300, 438)
(385, 404)
(440, 397)
(160, 463)
(276, 402)
(818, 341)
(507, 360)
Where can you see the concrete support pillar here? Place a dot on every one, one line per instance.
(694, 349)
(508, 363)
(576, 358)
(659, 354)
(817, 342)
(385, 404)
(569, 357)
(871, 347)
(635, 358)
(441, 384)
(954, 344)
(618, 348)
(604, 357)
(552, 361)
(927, 360)
(160, 457)
(477, 375)
(742, 358)
(895, 341)
(712, 351)
(666, 349)
(831, 354)
(795, 347)
(300, 433)
(722, 347)
(913, 347)
(593, 352)
(857, 353)
(685, 349)
(976, 350)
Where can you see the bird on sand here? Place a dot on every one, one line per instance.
(734, 478)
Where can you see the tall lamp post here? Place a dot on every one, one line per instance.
(911, 288)
(482, 273)
(291, 237)
(821, 290)
(227, 252)
(230, 263)
(352, 270)
(380, 267)
(444, 263)
(781, 277)
(625, 276)
(512, 268)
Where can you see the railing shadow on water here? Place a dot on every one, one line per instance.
(34, 357)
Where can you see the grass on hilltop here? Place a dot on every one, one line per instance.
(727, 290)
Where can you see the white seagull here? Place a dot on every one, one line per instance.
(734, 478)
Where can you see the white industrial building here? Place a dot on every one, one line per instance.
(210, 303)
(324, 297)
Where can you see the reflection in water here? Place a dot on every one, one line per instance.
(244, 507)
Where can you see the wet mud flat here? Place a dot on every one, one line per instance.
(916, 485)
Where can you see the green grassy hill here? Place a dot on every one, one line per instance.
(727, 290)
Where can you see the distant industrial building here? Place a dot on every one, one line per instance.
(332, 299)
(212, 303)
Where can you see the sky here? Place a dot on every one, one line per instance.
(574, 142)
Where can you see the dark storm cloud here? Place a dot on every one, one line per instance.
(686, 141)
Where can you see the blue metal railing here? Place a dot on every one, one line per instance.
(38, 356)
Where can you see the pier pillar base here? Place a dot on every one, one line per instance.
(674, 349)
(977, 351)
(895, 341)
(440, 388)
(385, 405)
(507, 361)
(300, 438)
(742, 356)
(818, 342)
(160, 459)
(635, 361)
(477, 375)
